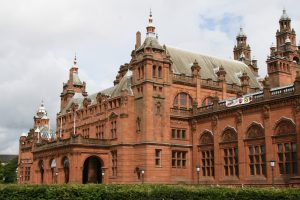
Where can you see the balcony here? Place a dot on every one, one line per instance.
(74, 140)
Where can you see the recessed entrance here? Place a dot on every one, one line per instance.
(92, 170)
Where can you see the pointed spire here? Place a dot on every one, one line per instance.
(241, 33)
(150, 28)
(284, 16)
(75, 60)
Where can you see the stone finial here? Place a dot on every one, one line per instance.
(195, 69)
(221, 73)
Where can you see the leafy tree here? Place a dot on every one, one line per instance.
(9, 171)
(1, 172)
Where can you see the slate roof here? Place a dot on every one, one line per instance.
(125, 83)
(183, 60)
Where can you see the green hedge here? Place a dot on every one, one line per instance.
(136, 192)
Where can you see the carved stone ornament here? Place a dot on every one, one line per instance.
(113, 115)
(266, 111)
(194, 124)
(296, 106)
(124, 100)
(86, 102)
(285, 127)
(214, 121)
(158, 108)
(238, 117)
(229, 135)
(255, 131)
(206, 138)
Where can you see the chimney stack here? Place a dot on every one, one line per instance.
(138, 40)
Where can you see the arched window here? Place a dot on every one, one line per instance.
(159, 72)
(206, 149)
(53, 170)
(154, 71)
(230, 152)
(66, 166)
(42, 170)
(285, 139)
(296, 60)
(183, 101)
(139, 72)
(255, 140)
(207, 101)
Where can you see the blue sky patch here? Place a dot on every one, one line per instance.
(228, 23)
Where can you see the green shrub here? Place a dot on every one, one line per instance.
(137, 192)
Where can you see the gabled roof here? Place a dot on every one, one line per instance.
(115, 91)
(183, 60)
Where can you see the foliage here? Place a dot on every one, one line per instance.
(136, 192)
(1, 172)
(9, 171)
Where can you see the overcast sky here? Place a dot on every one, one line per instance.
(38, 39)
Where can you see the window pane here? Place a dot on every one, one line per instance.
(257, 150)
(173, 133)
(183, 134)
(263, 149)
(280, 148)
(251, 150)
(294, 146)
(252, 169)
(280, 156)
(263, 167)
(257, 167)
(287, 147)
(225, 152)
(281, 168)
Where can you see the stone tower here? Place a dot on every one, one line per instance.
(242, 51)
(74, 86)
(151, 68)
(283, 62)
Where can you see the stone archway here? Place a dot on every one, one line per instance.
(92, 170)
(66, 167)
(42, 170)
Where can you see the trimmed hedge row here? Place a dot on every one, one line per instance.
(136, 192)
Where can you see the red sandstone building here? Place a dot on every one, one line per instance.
(175, 116)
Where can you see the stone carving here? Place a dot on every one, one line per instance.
(86, 102)
(158, 108)
(255, 131)
(296, 106)
(229, 135)
(194, 124)
(285, 127)
(266, 111)
(238, 117)
(206, 138)
(214, 121)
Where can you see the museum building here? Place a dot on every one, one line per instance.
(175, 116)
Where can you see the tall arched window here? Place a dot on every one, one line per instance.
(159, 72)
(255, 140)
(207, 101)
(154, 71)
(230, 152)
(206, 147)
(183, 101)
(53, 170)
(66, 166)
(42, 170)
(285, 139)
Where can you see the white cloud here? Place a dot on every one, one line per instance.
(39, 38)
